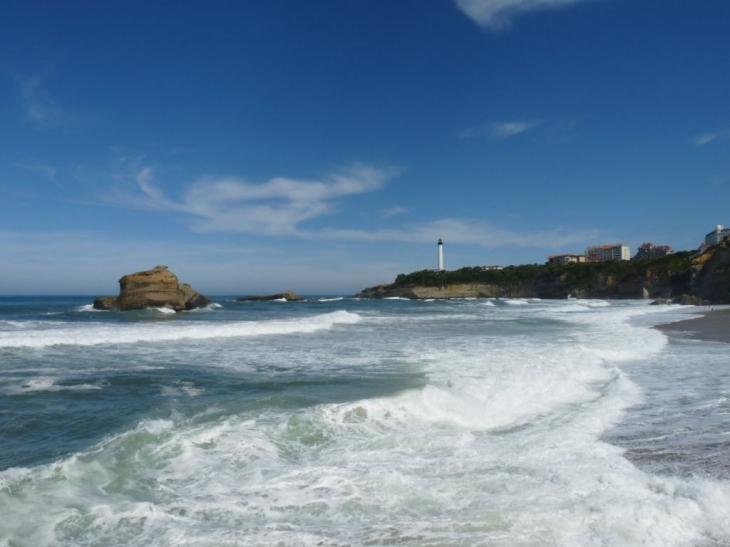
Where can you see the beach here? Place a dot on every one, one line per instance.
(713, 326)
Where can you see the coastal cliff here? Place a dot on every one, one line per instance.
(667, 277)
(711, 274)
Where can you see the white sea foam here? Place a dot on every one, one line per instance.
(213, 306)
(40, 384)
(595, 303)
(165, 311)
(330, 299)
(87, 308)
(91, 334)
(501, 446)
(181, 389)
(572, 308)
(25, 324)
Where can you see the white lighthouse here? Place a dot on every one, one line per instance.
(441, 256)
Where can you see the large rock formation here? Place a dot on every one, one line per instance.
(106, 303)
(156, 288)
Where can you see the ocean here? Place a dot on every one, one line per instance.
(339, 421)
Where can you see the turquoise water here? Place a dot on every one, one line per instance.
(337, 421)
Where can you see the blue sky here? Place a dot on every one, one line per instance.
(325, 146)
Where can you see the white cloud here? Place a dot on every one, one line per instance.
(46, 171)
(499, 130)
(506, 130)
(496, 14)
(707, 138)
(393, 211)
(274, 208)
(471, 232)
(281, 207)
(41, 109)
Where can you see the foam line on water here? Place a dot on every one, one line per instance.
(40, 384)
(92, 334)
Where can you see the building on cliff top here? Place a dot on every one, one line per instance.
(565, 259)
(599, 253)
(716, 236)
(649, 250)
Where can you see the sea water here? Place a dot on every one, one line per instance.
(338, 421)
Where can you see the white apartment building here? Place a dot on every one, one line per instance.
(717, 235)
(599, 253)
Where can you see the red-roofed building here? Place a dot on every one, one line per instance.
(649, 250)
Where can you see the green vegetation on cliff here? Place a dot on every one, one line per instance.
(577, 278)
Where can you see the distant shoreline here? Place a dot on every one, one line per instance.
(712, 326)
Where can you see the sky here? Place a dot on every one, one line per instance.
(324, 147)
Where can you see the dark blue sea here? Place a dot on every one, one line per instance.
(345, 422)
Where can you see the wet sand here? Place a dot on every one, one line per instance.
(714, 326)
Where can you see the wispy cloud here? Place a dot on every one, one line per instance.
(275, 208)
(499, 130)
(393, 211)
(496, 14)
(470, 231)
(46, 171)
(707, 138)
(41, 109)
(505, 130)
(281, 207)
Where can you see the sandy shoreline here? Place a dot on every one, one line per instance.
(713, 326)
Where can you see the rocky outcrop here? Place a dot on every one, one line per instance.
(106, 303)
(155, 288)
(601, 288)
(462, 290)
(193, 299)
(289, 296)
(711, 274)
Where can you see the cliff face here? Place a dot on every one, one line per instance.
(601, 288)
(647, 284)
(462, 290)
(711, 274)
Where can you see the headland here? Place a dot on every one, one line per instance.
(683, 277)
